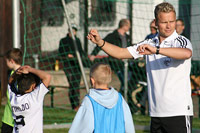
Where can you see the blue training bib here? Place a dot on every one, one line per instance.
(108, 120)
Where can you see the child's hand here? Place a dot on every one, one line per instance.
(24, 70)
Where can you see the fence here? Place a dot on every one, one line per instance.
(45, 23)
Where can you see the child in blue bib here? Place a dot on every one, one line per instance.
(103, 109)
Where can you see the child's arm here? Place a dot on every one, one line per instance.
(45, 77)
(84, 120)
(128, 119)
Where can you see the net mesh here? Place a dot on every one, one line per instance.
(47, 46)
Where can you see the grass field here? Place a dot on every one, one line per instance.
(57, 115)
(66, 130)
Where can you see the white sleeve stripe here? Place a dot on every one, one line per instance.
(187, 122)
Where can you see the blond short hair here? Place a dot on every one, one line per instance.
(101, 73)
(163, 7)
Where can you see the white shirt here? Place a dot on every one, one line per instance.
(169, 89)
(28, 110)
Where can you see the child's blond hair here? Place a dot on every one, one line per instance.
(101, 73)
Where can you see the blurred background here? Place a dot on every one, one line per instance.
(37, 27)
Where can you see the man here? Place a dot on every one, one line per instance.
(180, 26)
(153, 29)
(118, 37)
(71, 65)
(168, 62)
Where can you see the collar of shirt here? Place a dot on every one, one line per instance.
(167, 41)
(172, 37)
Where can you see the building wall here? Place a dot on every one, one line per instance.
(6, 40)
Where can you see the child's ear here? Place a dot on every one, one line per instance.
(12, 61)
(92, 81)
(33, 86)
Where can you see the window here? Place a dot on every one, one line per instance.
(52, 13)
(101, 11)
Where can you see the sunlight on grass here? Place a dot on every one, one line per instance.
(58, 115)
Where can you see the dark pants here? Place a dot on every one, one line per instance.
(176, 124)
(6, 128)
(73, 74)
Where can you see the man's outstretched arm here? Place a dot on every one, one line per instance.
(110, 49)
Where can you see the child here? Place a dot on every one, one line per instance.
(103, 110)
(13, 60)
(27, 101)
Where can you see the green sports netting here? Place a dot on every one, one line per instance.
(46, 23)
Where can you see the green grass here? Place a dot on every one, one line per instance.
(141, 120)
(57, 115)
(63, 130)
(1, 113)
(66, 130)
(196, 123)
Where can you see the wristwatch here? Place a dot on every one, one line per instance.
(157, 49)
